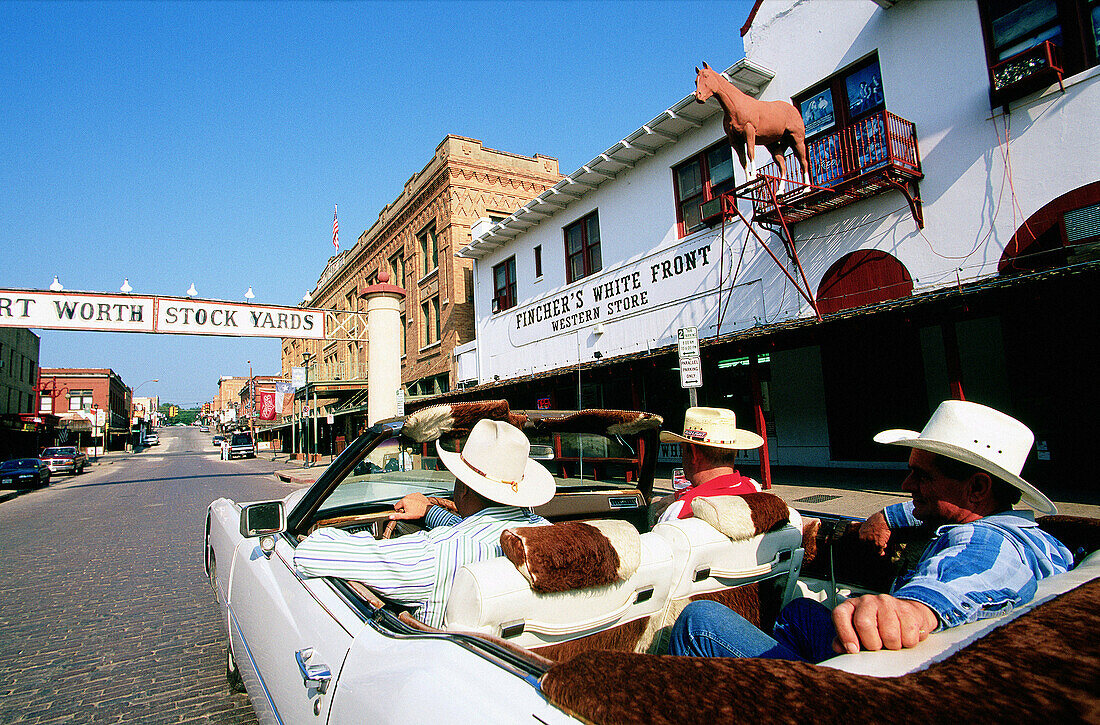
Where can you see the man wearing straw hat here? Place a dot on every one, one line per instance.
(708, 450)
(496, 485)
(983, 560)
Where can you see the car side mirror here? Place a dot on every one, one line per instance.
(263, 519)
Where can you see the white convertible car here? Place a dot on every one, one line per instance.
(571, 624)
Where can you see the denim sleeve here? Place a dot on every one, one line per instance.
(969, 573)
(439, 516)
(900, 515)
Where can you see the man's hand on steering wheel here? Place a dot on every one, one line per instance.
(412, 506)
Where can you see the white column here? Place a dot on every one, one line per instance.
(383, 348)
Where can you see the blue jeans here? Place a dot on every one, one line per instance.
(803, 632)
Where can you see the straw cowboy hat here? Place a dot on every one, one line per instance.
(494, 462)
(713, 427)
(981, 436)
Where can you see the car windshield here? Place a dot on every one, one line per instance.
(49, 452)
(397, 466)
(19, 463)
(241, 439)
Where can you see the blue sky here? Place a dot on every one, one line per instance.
(172, 143)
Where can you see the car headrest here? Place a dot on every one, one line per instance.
(574, 554)
(742, 517)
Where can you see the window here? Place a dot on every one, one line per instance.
(432, 385)
(701, 178)
(429, 310)
(538, 261)
(1014, 26)
(842, 98)
(429, 249)
(80, 400)
(504, 285)
(404, 329)
(397, 269)
(582, 248)
(45, 404)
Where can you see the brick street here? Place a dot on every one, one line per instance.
(106, 615)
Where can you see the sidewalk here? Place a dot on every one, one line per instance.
(296, 471)
(836, 491)
(105, 458)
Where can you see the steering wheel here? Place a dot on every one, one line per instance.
(407, 526)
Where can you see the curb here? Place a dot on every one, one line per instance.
(302, 477)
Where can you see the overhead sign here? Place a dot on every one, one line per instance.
(172, 315)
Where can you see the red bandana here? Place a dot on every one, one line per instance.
(732, 484)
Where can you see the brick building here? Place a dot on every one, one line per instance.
(413, 241)
(229, 392)
(20, 427)
(93, 405)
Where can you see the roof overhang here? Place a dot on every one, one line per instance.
(667, 128)
(931, 300)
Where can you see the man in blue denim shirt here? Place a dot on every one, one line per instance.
(983, 560)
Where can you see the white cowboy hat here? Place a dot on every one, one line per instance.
(494, 462)
(713, 427)
(981, 436)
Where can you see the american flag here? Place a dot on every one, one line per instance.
(335, 230)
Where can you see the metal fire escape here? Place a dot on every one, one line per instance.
(876, 154)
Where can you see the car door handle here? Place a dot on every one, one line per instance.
(317, 675)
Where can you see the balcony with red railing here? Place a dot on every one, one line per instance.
(876, 154)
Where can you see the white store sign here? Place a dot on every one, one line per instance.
(656, 281)
(173, 315)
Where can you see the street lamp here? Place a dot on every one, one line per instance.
(95, 431)
(306, 357)
(133, 394)
(151, 380)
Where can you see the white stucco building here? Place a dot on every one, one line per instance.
(947, 238)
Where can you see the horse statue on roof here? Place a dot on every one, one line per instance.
(775, 125)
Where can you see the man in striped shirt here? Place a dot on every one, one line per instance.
(496, 485)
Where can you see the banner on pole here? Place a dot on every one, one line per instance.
(267, 404)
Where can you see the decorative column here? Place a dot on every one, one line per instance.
(383, 347)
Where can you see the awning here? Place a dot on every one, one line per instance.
(75, 423)
(935, 299)
(355, 404)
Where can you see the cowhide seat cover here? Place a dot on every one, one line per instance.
(1043, 667)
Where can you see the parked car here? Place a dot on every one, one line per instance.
(333, 650)
(217, 440)
(64, 459)
(204, 429)
(241, 446)
(21, 473)
(152, 439)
